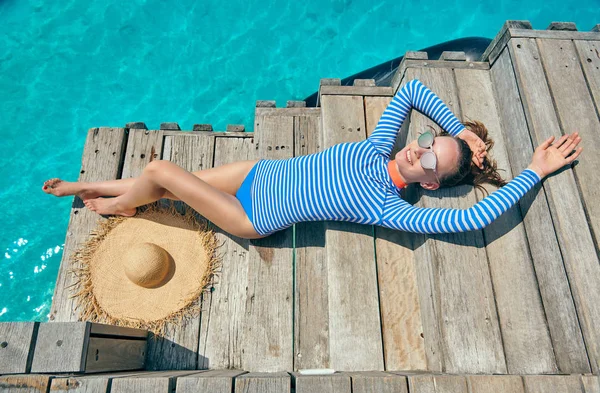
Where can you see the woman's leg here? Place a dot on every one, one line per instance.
(221, 208)
(226, 178)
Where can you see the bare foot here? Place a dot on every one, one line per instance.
(108, 206)
(60, 188)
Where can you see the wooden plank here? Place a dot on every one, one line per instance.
(563, 324)
(311, 317)
(101, 160)
(591, 383)
(453, 56)
(495, 383)
(462, 292)
(568, 86)
(111, 354)
(119, 331)
(91, 383)
(355, 91)
(437, 384)
(61, 347)
(17, 344)
(364, 82)
(177, 348)
(223, 308)
(211, 134)
(355, 341)
(562, 26)
(25, 383)
(400, 321)
(518, 299)
(143, 146)
(288, 111)
(334, 383)
(555, 34)
(268, 326)
(589, 57)
(157, 382)
(279, 382)
(214, 381)
(499, 42)
(552, 383)
(378, 382)
(576, 244)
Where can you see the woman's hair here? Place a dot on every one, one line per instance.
(467, 172)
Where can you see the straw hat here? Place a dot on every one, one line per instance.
(144, 271)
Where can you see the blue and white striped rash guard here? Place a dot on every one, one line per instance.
(350, 181)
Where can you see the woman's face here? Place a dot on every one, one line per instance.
(408, 161)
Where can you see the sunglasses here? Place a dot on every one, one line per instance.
(428, 159)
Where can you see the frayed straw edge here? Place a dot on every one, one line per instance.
(83, 286)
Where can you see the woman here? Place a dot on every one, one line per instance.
(356, 182)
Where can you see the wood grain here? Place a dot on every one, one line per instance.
(111, 354)
(279, 382)
(525, 335)
(61, 347)
(102, 160)
(589, 57)
(336, 383)
(559, 307)
(17, 344)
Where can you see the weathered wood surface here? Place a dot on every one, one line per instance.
(463, 298)
(554, 287)
(591, 383)
(311, 319)
(437, 384)
(29, 383)
(494, 49)
(61, 347)
(525, 335)
(589, 57)
(553, 383)
(495, 383)
(223, 308)
(117, 331)
(401, 324)
(214, 381)
(576, 244)
(91, 383)
(355, 91)
(453, 56)
(279, 382)
(378, 382)
(143, 146)
(354, 322)
(576, 112)
(111, 354)
(260, 335)
(336, 383)
(101, 160)
(157, 382)
(17, 343)
(412, 63)
(555, 34)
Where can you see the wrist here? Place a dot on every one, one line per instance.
(537, 170)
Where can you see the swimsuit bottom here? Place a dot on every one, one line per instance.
(243, 193)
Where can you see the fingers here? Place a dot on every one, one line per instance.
(546, 143)
(568, 142)
(574, 156)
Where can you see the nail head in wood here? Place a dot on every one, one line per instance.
(364, 82)
(265, 104)
(137, 125)
(568, 26)
(416, 55)
(453, 56)
(296, 104)
(330, 82)
(203, 127)
(170, 126)
(236, 128)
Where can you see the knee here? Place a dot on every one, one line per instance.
(157, 166)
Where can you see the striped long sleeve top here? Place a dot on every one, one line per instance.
(350, 181)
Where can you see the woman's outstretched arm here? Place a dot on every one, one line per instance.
(547, 158)
(412, 95)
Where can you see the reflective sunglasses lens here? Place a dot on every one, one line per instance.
(428, 160)
(425, 140)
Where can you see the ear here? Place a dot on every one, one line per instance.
(430, 186)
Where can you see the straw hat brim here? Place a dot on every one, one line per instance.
(105, 293)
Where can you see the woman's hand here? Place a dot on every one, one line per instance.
(476, 144)
(549, 157)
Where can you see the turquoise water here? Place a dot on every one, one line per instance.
(71, 65)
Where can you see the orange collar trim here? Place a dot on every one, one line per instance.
(395, 175)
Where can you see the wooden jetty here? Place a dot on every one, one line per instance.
(512, 308)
